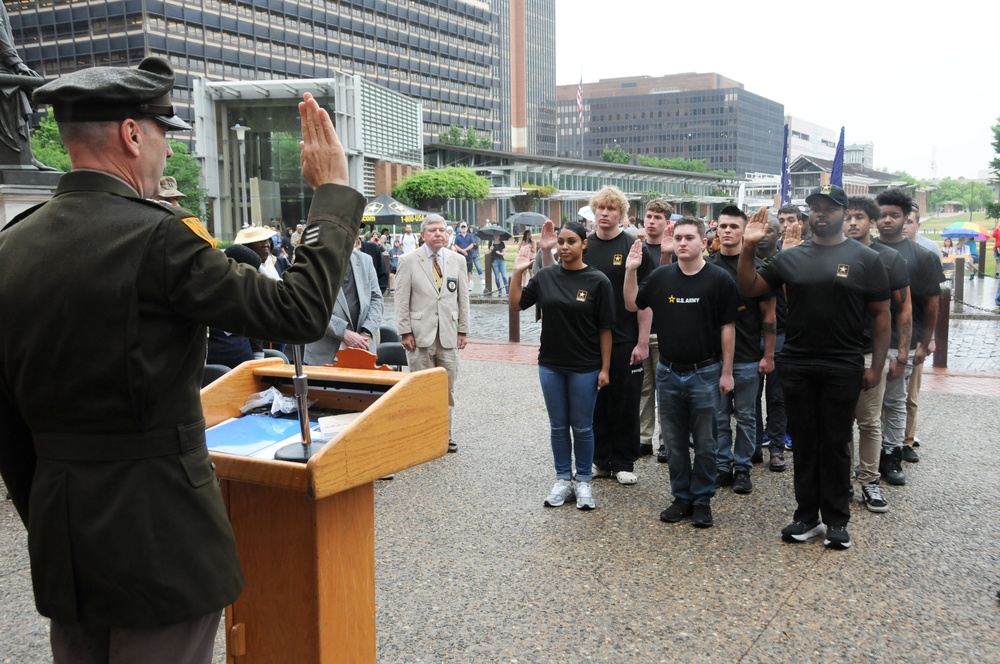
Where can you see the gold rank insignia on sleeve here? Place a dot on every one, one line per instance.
(199, 229)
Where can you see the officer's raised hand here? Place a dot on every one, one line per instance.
(323, 158)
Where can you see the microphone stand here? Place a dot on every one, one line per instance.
(300, 452)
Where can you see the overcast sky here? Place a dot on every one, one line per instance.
(917, 82)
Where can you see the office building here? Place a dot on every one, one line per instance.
(690, 116)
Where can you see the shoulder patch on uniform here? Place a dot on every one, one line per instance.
(199, 229)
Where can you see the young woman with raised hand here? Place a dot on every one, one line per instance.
(575, 353)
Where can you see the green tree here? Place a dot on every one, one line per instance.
(433, 187)
(964, 191)
(48, 147)
(690, 165)
(616, 155)
(993, 212)
(184, 168)
(462, 136)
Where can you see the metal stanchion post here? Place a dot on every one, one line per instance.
(941, 329)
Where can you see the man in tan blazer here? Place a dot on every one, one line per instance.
(432, 306)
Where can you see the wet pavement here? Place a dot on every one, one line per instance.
(470, 567)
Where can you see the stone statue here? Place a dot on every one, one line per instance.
(16, 79)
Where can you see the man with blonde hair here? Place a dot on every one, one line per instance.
(616, 415)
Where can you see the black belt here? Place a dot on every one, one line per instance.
(688, 368)
(120, 447)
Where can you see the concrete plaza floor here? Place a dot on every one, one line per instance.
(470, 567)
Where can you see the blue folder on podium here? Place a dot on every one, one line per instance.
(252, 433)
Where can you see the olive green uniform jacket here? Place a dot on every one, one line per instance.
(104, 300)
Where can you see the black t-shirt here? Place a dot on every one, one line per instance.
(655, 253)
(576, 306)
(689, 310)
(609, 257)
(895, 268)
(925, 280)
(829, 288)
(749, 319)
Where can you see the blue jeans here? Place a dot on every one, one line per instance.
(500, 275)
(688, 404)
(569, 399)
(472, 259)
(742, 401)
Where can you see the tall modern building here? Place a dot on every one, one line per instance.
(689, 116)
(485, 65)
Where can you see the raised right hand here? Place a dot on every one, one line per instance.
(756, 227)
(634, 259)
(547, 240)
(323, 158)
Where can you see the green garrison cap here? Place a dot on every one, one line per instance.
(114, 93)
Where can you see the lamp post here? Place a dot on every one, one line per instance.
(241, 136)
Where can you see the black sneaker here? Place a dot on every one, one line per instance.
(723, 478)
(837, 537)
(702, 517)
(891, 469)
(741, 481)
(910, 455)
(797, 531)
(661, 454)
(678, 510)
(645, 449)
(872, 495)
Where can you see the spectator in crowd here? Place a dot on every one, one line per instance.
(394, 255)
(258, 238)
(432, 307)
(169, 193)
(296, 236)
(499, 264)
(755, 320)
(465, 244)
(357, 313)
(830, 283)
(947, 247)
(616, 414)
(862, 213)
(694, 305)
(408, 241)
(526, 246)
(374, 252)
(573, 358)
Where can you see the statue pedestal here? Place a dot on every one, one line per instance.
(22, 189)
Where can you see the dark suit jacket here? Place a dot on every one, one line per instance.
(105, 299)
(381, 270)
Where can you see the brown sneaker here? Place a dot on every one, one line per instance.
(777, 461)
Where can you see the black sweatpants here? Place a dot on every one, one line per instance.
(616, 415)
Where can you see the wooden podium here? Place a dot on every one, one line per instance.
(306, 532)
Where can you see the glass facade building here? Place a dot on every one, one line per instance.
(444, 53)
(726, 126)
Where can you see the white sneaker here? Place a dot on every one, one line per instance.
(625, 477)
(584, 496)
(562, 491)
(597, 471)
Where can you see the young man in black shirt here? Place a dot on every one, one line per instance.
(656, 223)
(831, 284)
(616, 415)
(695, 303)
(925, 287)
(861, 215)
(770, 385)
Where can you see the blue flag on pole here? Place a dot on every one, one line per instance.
(786, 174)
(837, 172)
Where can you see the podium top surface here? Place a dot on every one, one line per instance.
(403, 422)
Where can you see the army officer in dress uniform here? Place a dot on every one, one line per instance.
(105, 299)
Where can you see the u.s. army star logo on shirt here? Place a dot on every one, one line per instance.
(672, 299)
(617, 260)
(581, 296)
(843, 270)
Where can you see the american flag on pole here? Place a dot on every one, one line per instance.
(579, 102)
